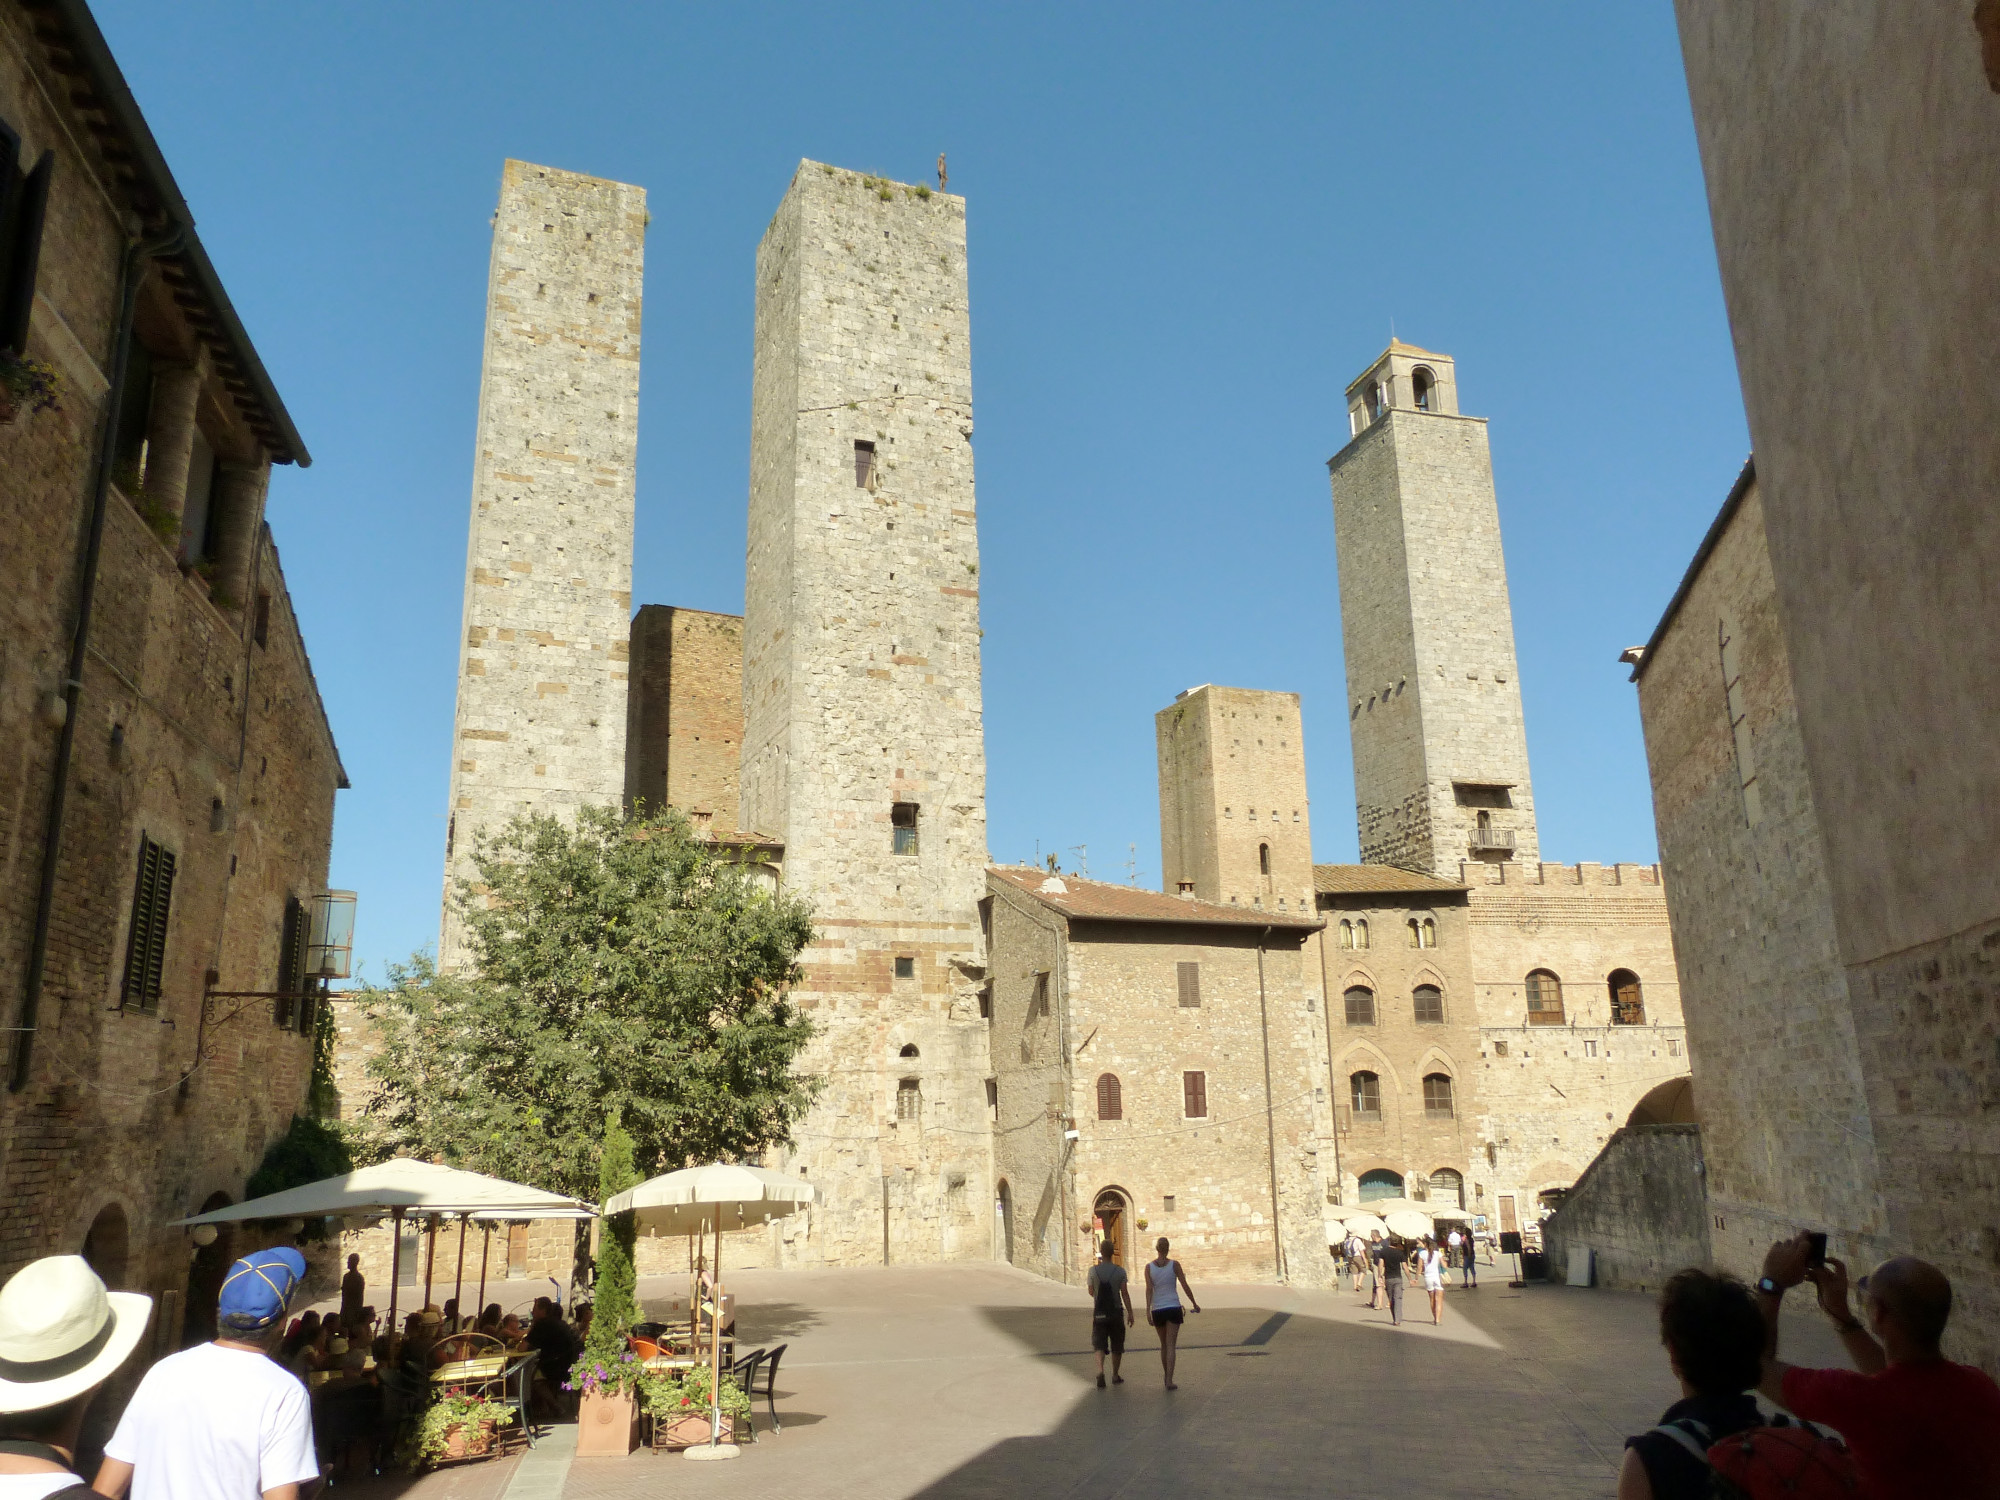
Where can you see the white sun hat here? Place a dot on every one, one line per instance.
(61, 1332)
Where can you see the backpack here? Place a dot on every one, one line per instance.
(1784, 1460)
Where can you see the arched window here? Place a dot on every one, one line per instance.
(1360, 1005)
(1110, 1097)
(1485, 829)
(1428, 1001)
(1416, 930)
(1628, 1002)
(1448, 1187)
(1437, 1096)
(1361, 932)
(1263, 859)
(1346, 933)
(1365, 1090)
(909, 1050)
(1430, 933)
(106, 1245)
(909, 1099)
(1374, 400)
(1545, 999)
(1422, 382)
(1380, 1184)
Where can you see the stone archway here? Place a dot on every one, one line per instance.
(1112, 1211)
(107, 1245)
(211, 1264)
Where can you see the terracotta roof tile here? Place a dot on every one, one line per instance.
(1094, 900)
(1368, 880)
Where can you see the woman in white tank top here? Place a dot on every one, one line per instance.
(1165, 1281)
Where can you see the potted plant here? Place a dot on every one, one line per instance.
(29, 383)
(680, 1407)
(608, 1373)
(457, 1425)
(607, 1419)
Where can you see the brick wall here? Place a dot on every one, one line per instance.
(1639, 1207)
(1232, 772)
(685, 714)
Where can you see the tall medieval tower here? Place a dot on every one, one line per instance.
(548, 579)
(863, 750)
(1434, 702)
(1234, 825)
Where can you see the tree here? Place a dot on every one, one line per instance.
(614, 1298)
(621, 966)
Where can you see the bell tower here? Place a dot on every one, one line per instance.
(1434, 701)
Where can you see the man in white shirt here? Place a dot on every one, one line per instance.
(221, 1421)
(61, 1336)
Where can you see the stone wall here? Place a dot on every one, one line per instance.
(1848, 152)
(1233, 813)
(1785, 1121)
(1551, 1095)
(1434, 697)
(541, 719)
(197, 725)
(862, 694)
(684, 737)
(1639, 1207)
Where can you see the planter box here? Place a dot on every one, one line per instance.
(692, 1431)
(607, 1426)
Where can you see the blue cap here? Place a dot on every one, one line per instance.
(258, 1289)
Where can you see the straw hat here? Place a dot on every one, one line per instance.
(61, 1332)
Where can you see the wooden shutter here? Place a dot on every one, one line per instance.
(23, 221)
(1190, 985)
(1194, 1095)
(1110, 1098)
(291, 962)
(146, 950)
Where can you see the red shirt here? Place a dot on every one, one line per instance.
(1917, 1432)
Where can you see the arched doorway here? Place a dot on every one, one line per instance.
(1003, 1213)
(211, 1264)
(1628, 998)
(1380, 1184)
(1113, 1215)
(107, 1245)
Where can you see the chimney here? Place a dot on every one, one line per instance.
(1186, 889)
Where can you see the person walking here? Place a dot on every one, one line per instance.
(353, 1293)
(61, 1336)
(1165, 1281)
(1357, 1258)
(1109, 1287)
(1469, 1265)
(221, 1421)
(1375, 1248)
(1391, 1257)
(1433, 1265)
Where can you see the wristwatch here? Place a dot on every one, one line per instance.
(1769, 1287)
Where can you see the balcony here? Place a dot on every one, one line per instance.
(1492, 841)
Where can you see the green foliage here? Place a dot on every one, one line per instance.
(614, 1299)
(684, 1393)
(923, 190)
(322, 1097)
(30, 383)
(622, 965)
(308, 1150)
(451, 1410)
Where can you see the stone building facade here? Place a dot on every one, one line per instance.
(1434, 697)
(1857, 228)
(541, 720)
(1154, 1074)
(167, 766)
(863, 745)
(684, 734)
(1234, 826)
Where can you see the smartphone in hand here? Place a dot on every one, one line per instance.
(1816, 1248)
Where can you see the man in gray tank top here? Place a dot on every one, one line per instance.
(1107, 1285)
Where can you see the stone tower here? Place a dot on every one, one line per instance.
(548, 579)
(1234, 826)
(1434, 703)
(863, 751)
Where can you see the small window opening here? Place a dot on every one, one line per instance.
(146, 948)
(1346, 933)
(261, 626)
(1110, 1098)
(1430, 934)
(1437, 1096)
(1360, 1001)
(1194, 1095)
(1590, 1049)
(1188, 976)
(1263, 859)
(1040, 1004)
(1364, 1090)
(903, 823)
(906, 967)
(1374, 400)
(864, 464)
(1167, 1203)
(1429, 1005)
(1361, 932)
(1422, 383)
(992, 1093)
(909, 1050)
(909, 1099)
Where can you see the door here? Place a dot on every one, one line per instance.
(1004, 1211)
(1509, 1224)
(517, 1250)
(1110, 1211)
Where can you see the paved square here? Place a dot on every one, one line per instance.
(975, 1381)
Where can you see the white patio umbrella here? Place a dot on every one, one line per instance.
(403, 1186)
(1365, 1225)
(1410, 1224)
(699, 1200)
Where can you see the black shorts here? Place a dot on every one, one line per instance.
(1161, 1315)
(1107, 1335)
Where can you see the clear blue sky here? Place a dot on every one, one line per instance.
(1189, 226)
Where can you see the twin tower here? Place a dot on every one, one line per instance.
(839, 723)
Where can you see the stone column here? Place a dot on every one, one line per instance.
(170, 436)
(238, 504)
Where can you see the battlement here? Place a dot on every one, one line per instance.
(1545, 874)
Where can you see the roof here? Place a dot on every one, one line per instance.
(104, 104)
(1396, 346)
(1095, 901)
(1701, 554)
(1371, 880)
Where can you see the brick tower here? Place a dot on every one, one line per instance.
(1234, 824)
(1434, 703)
(862, 744)
(548, 579)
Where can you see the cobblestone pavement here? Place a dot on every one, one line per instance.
(975, 1381)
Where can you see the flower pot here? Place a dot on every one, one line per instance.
(464, 1442)
(685, 1432)
(607, 1426)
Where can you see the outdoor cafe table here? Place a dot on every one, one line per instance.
(510, 1371)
